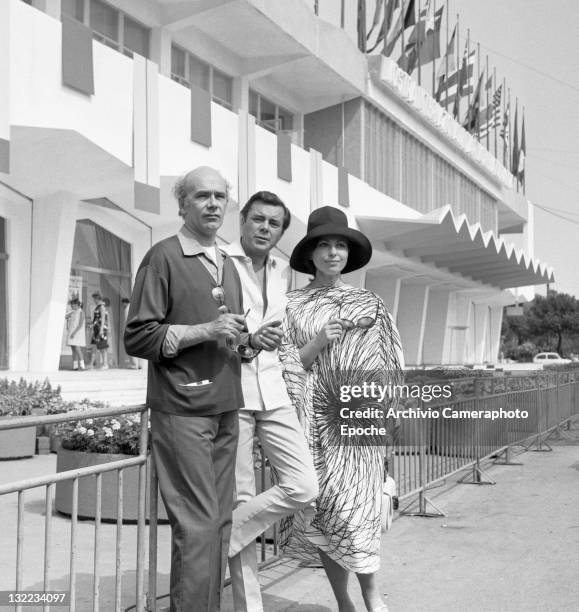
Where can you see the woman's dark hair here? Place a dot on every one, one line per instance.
(267, 197)
(106, 301)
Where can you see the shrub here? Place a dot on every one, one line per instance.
(23, 398)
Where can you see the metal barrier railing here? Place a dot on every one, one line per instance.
(50, 481)
(429, 451)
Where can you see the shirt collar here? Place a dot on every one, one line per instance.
(189, 244)
(234, 249)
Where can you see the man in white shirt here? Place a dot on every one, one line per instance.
(268, 412)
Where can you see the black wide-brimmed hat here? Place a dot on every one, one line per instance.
(331, 221)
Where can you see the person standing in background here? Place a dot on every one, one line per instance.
(76, 337)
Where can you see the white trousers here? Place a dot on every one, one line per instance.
(284, 443)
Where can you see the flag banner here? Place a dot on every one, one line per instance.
(428, 42)
(389, 9)
(505, 133)
(491, 115)
(515, 158)
(522, 154)
(448, 66)
(399, 26)
(362, 25)
(460, 82)
(471, 123)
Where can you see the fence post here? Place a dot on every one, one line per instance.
(477, 476)
(540, 445)
(422, 499)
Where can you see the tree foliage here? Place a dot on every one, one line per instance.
(549, 322)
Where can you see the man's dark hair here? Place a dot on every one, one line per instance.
(267, 197)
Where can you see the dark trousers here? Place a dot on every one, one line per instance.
(195, 461)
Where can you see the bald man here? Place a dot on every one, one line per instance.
(185, 310)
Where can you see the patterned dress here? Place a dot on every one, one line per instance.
(346, 520)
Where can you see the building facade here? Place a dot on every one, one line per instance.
(104, 104)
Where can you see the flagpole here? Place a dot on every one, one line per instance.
(459, 68)
(403, 17)
(446, 58)
(433, 49)
(523, 142)
(494, 113)
(510, 132)
(476, 117)
(419, 38)
(487, 94)
(515, 152)
(467, 67)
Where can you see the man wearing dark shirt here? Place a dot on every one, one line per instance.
(185, 310)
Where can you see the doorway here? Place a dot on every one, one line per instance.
(101, 264)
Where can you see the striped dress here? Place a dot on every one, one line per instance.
(345, 522)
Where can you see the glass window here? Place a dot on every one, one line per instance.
(104, 21)
(178, 64)
(286, 119)
(3, 294)
(222, 88)
(136, 38)
(73, 8)
(267, 115)
(199, 73)
(253, 103)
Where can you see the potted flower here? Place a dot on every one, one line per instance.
(21, 399)
(94, 441)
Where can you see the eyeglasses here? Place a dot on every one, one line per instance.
(244, 351)
(219, 296)
(361, 323)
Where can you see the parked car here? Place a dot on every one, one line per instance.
(549, 358)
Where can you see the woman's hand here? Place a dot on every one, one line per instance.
(330, 332)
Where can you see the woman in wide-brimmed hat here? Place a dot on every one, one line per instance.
(336, 337)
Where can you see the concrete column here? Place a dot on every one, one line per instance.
(412, 306)
(240, 93)
(495, 321)
(457, 341)
(16, 210)
(53, 227)
(479, 332)
(160, 50)
(247, 169)
(436, 327)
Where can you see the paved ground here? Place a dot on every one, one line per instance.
(509, 547)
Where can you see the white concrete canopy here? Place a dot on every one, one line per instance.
(450, 242)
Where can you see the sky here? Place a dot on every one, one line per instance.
(534, 45)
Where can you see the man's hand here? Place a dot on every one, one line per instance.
(330, 332)
(268, 336)
(227, 325)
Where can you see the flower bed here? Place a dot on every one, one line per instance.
(24, 398)
(95, 441)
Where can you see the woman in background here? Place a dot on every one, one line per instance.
(76, 337)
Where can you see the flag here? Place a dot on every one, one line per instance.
(515, 159)
(471, 123)
(389, 8)
(447, 66)
(399, 26)
(491, 115)
(424, 41)
(522, 154)
(505, 132)
(461, 83)
(376, 20)
(362, 25)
